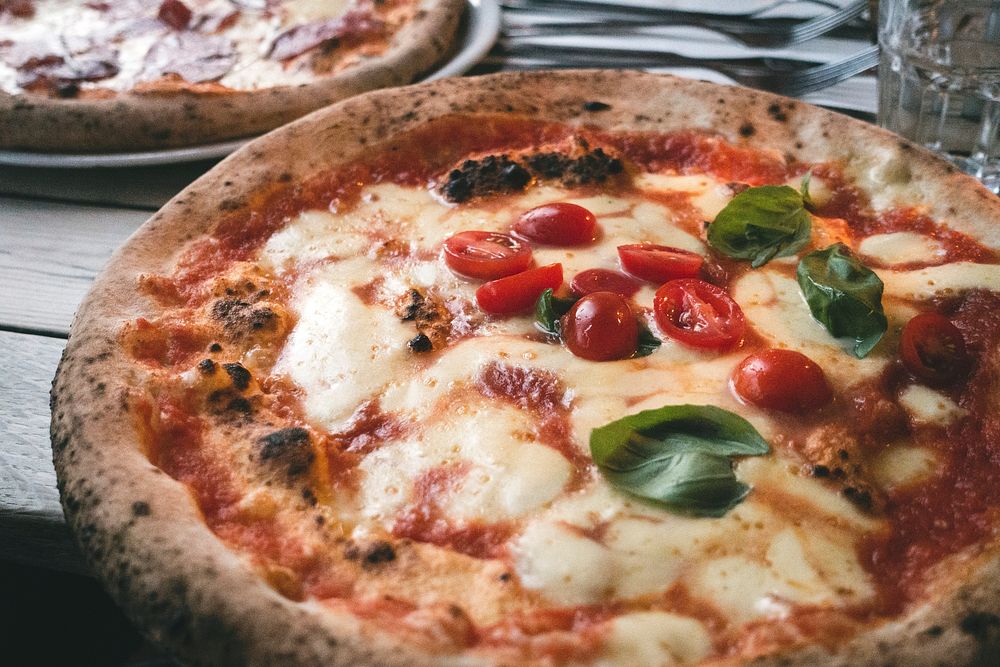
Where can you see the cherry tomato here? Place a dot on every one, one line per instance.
(699, 314)
(781, 380)
(601, 327)
(603, 280)
(557, 224)
(659, 263)
(486, 255)
(932, 348)
(518, 293)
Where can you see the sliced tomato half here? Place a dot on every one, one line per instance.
(518, 293)
(486, 255)
(933, 348)
(659, 263)
(699, 314)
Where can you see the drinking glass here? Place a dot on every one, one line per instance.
(939, 79)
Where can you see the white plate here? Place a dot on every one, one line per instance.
(481, 26)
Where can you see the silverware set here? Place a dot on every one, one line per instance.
(537, 34)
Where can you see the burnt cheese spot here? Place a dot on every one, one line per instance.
(289, 449)
(420, 343)
(596, 106)
(238, 374)
(241, 317)
(207, 366)
(981, 625)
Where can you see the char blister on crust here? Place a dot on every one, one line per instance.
(573, 165)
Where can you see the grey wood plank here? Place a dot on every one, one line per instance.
(32, 530)
(136, 187)
(49, 255)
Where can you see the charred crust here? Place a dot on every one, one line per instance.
(490, 175)
(594, 166)
(140, 508)
(420, 343)
(577, 165)
(288, 448)
(207, 366)
(238, 374)
(594, 105)
(215, 347)
(309, 496)
(981, 626)
(820, 471)
(774, 111)
(747, 130)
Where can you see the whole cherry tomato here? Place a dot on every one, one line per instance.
(562, 224)
(601, 327)
(781, 380)
(486, 255)
(698, 314)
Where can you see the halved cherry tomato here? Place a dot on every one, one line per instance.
(781, 380)
(561, 223)
(486, 255)
(601, 327)
(699, 314)
(933, 348)
(659, 263)
(603, 280)
(518, 293)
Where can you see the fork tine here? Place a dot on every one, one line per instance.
(799, 83)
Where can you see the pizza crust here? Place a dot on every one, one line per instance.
(157, 120)
(141, 532)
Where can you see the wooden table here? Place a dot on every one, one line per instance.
(57, 229)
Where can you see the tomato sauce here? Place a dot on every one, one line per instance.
(961, 504)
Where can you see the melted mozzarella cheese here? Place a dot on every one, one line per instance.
(902, 465)
(901, 247)
(945, 280)
(324, 354)
(927, 406)
(655, 639)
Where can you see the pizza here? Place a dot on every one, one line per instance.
(550, 368)
(80, 76)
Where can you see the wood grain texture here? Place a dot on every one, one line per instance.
(31, 521)
(138, 187)
(50, 254)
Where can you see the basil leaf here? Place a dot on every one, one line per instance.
(762, 223)
(844, 295)
(678, 456)
(548, 311)
(647, 342)
(804, 189)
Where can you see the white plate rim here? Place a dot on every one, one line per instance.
(482, 32)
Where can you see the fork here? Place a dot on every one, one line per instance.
(793, 83)
(757, 33)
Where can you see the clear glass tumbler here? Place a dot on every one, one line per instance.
(939, 79)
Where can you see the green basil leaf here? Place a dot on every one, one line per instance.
(678, 456)
(844, 295)
(762, 223)
(549, 309)
(691, 483)
(647, 342)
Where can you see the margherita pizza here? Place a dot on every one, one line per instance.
(81, 76)
(557, 368)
